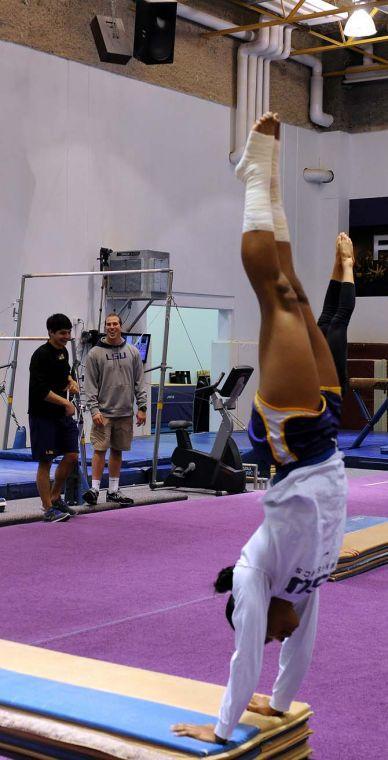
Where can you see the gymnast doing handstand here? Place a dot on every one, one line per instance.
(294, 424)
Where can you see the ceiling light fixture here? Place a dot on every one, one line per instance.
(360, 24)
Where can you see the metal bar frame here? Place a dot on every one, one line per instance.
(355, 70)
(370, 425)
(80, 417)
(140, 314)
(104, 273)
(364, 409)
(327, 48)
(163, 368)
(280, 20)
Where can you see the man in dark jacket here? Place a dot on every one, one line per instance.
(114, 377)
(53, 430)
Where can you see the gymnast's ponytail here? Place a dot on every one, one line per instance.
(223, 583)
(224, 580)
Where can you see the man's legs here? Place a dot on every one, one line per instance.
(288, 371)
(115, 461)
(98, 464)
(43, 484)
(51, 514)
(114, 494)
(62, 472)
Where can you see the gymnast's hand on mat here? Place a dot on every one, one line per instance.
(260, 705)
(202, 733)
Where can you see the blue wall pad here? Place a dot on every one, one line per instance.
(134, 718)
(359, 522)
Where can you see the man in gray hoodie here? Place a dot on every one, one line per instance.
(114, 377)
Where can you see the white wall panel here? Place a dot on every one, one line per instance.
(91, 159)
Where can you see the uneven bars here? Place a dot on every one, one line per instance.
(103, 273)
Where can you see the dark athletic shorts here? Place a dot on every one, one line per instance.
(52, 437)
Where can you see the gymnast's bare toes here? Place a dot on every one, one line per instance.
(268, 124)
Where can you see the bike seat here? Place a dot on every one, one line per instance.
(179, 424)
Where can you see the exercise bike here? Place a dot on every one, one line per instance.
(221, 469)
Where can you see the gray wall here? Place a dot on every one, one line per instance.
(88, 161)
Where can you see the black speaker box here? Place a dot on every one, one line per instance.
(155, 31)
(111, 40)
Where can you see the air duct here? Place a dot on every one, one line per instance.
(318, 176)
(317, 116)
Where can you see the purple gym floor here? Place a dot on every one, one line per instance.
(135, 587)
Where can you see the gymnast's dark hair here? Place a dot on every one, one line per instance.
(222, 584)
(58, 322)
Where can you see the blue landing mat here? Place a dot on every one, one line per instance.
(359, 522)
(126, 716)
(143, 448)
(18, 471)
(366, 456)
(17, 476)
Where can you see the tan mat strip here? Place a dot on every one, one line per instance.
(131, 682)
(142, 684)
(364, 540)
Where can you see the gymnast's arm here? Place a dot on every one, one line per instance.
(296, 653)
(251, 593)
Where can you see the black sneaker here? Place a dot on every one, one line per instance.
(54, 515)
(61, 506)
(118, 497)
(91, 497)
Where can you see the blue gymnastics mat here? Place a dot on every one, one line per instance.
(137, 719)
(360, 522)
(18, 471)
(143, 448)
(368, 455)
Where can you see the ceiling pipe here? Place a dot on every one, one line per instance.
(276, 46)
(317, 115)
(283, 52)
(252, 79)
(318, 176)
(246, 98)
(212, 22)
(368, 51)
(316, 88)
(256, 84)
(359, 76)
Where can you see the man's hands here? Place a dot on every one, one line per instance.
(260, 705)
(140, 418)
(72, 386)
(98, 419)
(201, 733)
(69, 409)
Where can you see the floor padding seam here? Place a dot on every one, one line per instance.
(130, 618)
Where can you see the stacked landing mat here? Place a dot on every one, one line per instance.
(54, 705)
(365, 546)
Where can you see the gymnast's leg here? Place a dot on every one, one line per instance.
(288, 370)
(339, 305)
(323, 359)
